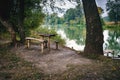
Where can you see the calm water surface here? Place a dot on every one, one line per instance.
(75, 38)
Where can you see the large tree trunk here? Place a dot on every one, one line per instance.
(10, 30)
(21, 21)
(94, 31)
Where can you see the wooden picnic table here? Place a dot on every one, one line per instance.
(48, 36)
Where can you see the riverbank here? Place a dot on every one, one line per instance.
(63, 64)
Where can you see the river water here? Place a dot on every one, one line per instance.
(75, 38)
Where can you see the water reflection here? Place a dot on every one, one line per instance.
(72, 43)
(112, 41)
(75, 37)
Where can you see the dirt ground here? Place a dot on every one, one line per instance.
(53, 61)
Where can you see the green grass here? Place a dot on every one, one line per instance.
(112, 27)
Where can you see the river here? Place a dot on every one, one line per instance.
(75, 38)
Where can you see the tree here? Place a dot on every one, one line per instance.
(74, 14)
(70, 14)
(19, 16)
(100, 10)
(113, 6)
(5, 7)
(94, 36)
(21, 30)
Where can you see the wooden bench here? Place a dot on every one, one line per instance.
(31, 38)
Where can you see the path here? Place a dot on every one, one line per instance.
(54, 61)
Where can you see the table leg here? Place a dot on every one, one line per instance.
(42, 47)
(45, 44)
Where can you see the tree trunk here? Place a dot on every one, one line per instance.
(10, 30)
(94, 31)
(21, 21)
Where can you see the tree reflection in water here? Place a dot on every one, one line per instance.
(113, 41)
(75, 37)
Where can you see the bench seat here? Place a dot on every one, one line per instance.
(40, 40)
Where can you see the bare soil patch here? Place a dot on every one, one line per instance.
(53, 61)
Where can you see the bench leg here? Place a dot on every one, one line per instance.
(56, 42)
(28, 43)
